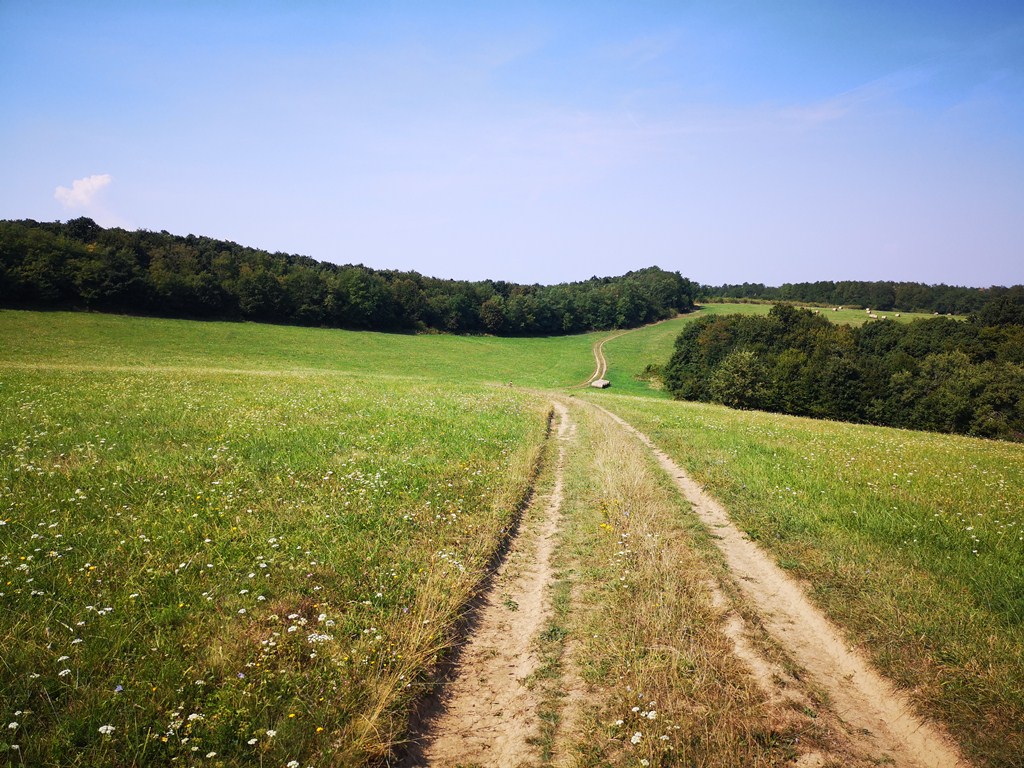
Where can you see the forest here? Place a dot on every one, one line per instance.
(885, 296)
(937, 374)
(80, 265)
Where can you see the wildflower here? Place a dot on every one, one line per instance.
(64, 673)
(652, 715)
(106, 730)
(211, 754)
(635, 738)
(13, 726)
(293, 764)
(271, 733)
(251, 742)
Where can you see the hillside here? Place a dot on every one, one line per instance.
(885, 296)
(80, 265)
(935, 374)
(259, 542)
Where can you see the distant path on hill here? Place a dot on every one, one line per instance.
(601, 362)
(881, 719)
(488, 715)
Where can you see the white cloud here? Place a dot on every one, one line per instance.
(83, 191)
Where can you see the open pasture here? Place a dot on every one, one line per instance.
(76, 339)
(847, 316)
(208, 568)
(913, 542)
(230, 544)
(840, 315)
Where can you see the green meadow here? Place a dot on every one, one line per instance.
(236, 544)
(841, 315)
(232, 543)
(74, 339)
(912, 542)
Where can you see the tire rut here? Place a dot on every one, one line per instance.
(487, 714)
(881, 721)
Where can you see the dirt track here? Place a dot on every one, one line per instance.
(600, 362)
(488, 715)
(882, 719)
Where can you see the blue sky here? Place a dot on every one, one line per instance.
(732, 141)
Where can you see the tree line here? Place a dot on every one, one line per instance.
(80, 265)
(883, 295)
(936, 374)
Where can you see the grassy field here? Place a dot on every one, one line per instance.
(234, 544)
(913, 542)
(63, 339)
(843, 316)
(199, 567)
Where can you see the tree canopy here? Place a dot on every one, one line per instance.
(936, 374)
(80, 265)
(885, 296)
